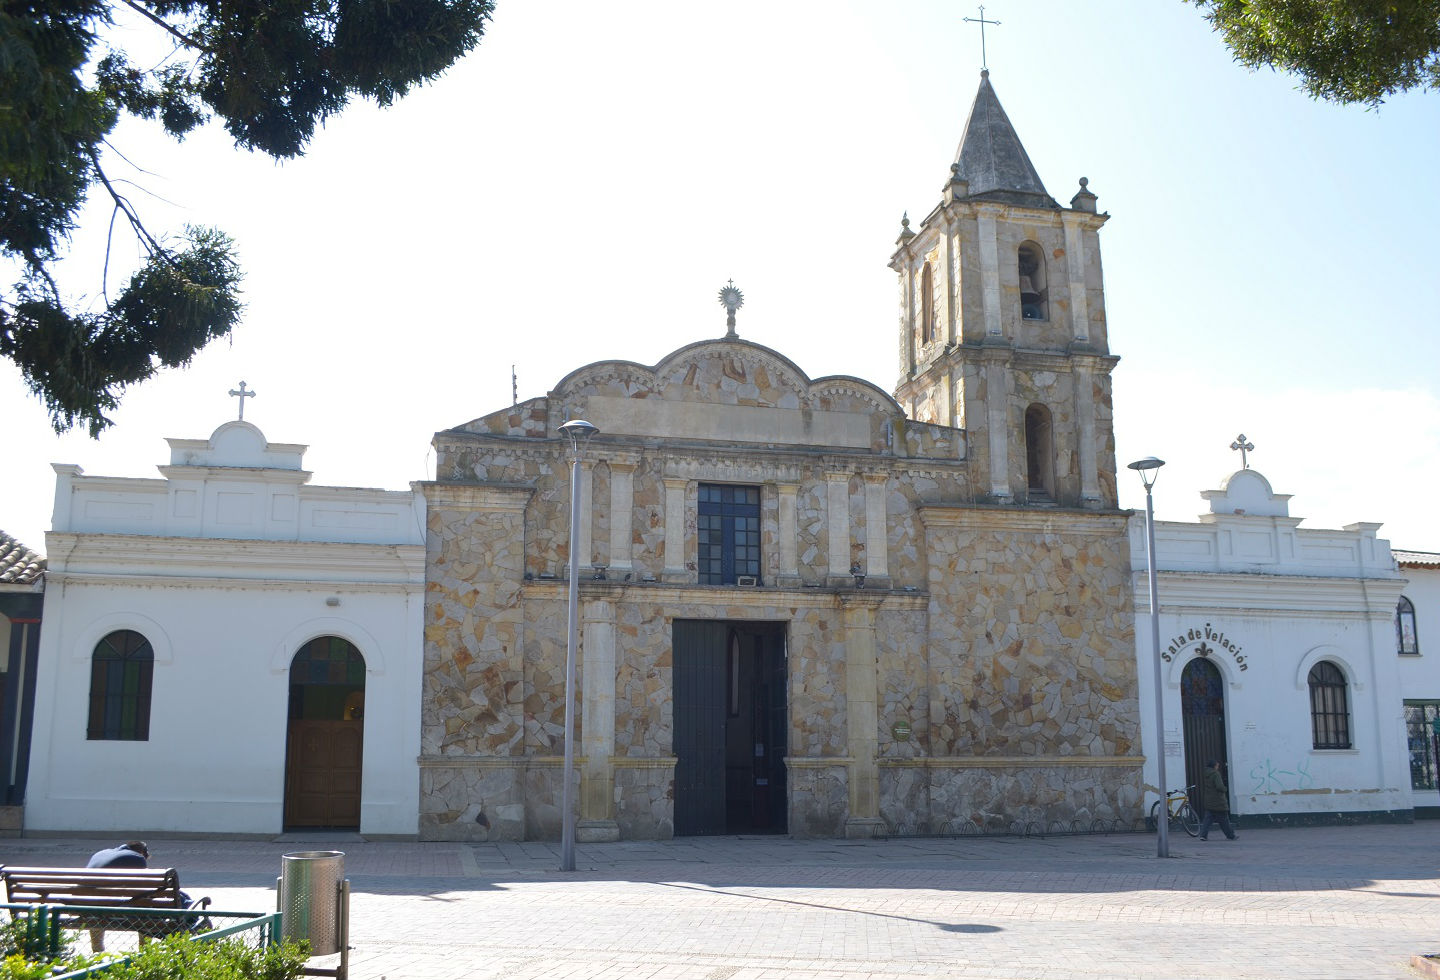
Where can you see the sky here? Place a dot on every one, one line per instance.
(582, 184)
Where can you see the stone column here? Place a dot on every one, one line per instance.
(862, 714)
(990, 293)
(597, 724)
(675, 492)
(786, 496)
(622, 515)
(1075, 267)
(877, 527)
(837, 520)
(1085, 433)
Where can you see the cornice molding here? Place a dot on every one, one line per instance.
(235, 474)
(498, 497)
(973, 517)
(725, 598)
(1238, 594)
(1011, 761)
(414, 586)
(114, 558)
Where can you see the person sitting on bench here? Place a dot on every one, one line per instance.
(131, 854)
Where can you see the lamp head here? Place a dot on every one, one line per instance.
(1148, 468)
(579, 432)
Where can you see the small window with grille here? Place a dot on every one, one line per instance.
(728, 522)
(1329, 707)
(1422, 738)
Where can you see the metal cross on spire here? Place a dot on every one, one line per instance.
(1245, 448)
(982, 22)
(241, 394)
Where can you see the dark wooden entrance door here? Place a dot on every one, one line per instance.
(325, 735)
(323, 775)
(731, 727)
(1202, 708)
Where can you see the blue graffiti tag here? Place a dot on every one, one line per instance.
(1268, 778)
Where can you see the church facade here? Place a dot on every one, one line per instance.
(807, 606)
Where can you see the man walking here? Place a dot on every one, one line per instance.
(1216, 797)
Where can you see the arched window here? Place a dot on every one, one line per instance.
(1405, 636)
(1039, 453)
(1329, 707)
(927, 304)
(1034, 297)
(121, 671)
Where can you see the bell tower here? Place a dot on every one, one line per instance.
(1002, 324)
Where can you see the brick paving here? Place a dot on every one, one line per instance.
(1343, 902)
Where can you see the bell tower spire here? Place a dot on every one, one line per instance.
(1002, 323)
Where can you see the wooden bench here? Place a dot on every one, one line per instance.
(107, 888)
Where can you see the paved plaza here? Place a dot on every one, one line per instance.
(1342, 902)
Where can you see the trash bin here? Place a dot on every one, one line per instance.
(310, 897)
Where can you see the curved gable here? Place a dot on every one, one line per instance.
(725, 390)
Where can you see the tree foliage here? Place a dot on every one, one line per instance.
(269, 70)
(1344, 51)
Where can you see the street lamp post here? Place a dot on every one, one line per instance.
(579, 432)
(1149, 468)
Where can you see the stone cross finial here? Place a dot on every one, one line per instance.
(241, 394)
(984, 65)
(1245, 448)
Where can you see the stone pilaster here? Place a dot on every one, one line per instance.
(990, 293)
(597, 730)
(877, 546)
(622, 515)
(907, 321)
(585, 548)
(675, 493)
(1085, 433)
(997, 425)
(952, 283)
(789, 571)
(837, 518)
(1075, 267)
(862, 715)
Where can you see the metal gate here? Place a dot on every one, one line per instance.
(1202, 708)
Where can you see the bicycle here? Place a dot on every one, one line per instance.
(1177, 803)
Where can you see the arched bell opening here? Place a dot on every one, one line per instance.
(1034, 294)
(1039, 455)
